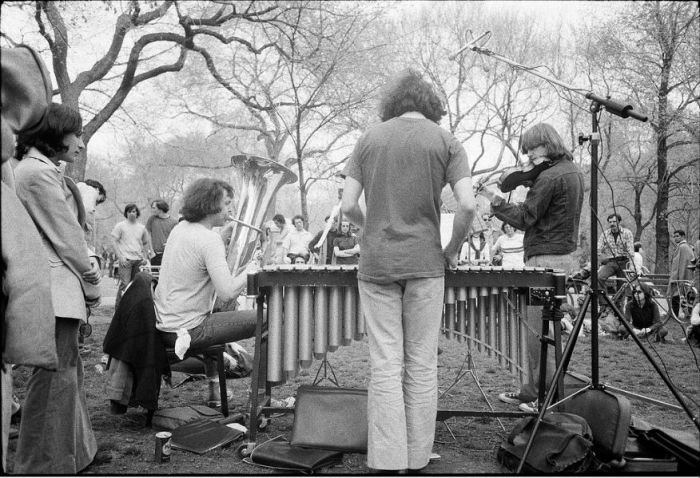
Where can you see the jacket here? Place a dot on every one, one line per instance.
(132, 337)
(54, 209)
(551, 211)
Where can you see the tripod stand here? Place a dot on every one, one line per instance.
(595, 291)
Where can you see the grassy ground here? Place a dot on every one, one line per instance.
(467, 445)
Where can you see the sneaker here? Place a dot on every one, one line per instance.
(530, 407)
(510, 397)
(215, 402)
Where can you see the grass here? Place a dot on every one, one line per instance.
(467, 445)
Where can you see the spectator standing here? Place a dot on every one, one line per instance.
(402, 165)
(159, 225)
(193, 272)
(56, 435)
(28, 319)
(325, 251)
(509, 247)
(93, 194)
(346, 247)
(643, 314)
(638, 259)
(476, 250)
(615, 250)
(682, 257)
(296, 242)
(276, 232)
(131, 245)
(550, 218)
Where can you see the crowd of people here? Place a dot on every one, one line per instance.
(296, 245)
(52, 275)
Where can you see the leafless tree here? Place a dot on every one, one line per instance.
(148, 39)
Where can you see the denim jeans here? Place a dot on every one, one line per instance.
(217, 328)
(127, 271)
(528, 390)
(403, 325)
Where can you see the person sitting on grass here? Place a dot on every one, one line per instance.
(643, 314)
(193, 272)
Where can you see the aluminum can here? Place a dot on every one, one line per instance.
(163, 447)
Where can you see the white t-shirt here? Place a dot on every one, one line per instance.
(297, 242)
(129, 239)
(511, 249)
(194, 264)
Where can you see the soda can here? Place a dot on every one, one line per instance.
(163, 447)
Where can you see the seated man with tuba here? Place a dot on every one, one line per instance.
(193, 273)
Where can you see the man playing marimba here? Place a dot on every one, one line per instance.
(402, 165)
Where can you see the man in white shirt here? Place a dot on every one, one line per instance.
(131, 243)
(297, 241)
(194, 272)
(93, 194)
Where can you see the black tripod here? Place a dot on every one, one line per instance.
(591, 298)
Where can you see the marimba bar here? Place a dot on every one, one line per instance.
(313, 310)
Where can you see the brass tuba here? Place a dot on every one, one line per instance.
(260, 179)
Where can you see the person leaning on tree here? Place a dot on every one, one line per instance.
(682, 258)
(550, 218)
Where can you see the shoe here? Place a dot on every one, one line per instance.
(510, 397)
(116, 408)
(214, 400)
(530, 407)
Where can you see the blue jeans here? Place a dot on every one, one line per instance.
(127, 272)
(217, 328)
(528, 390)
(403, 326)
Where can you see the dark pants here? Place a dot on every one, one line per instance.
(157, 259)
(217, 328)
(613, 267)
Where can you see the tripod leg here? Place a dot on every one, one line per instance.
(695, 419)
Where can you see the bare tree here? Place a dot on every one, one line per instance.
(149, 39)
(301, 98)
(649, 53)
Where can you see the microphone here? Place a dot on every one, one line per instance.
(469, 46)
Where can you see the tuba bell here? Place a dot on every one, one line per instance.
(260, 179)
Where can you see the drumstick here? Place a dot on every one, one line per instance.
(329, 224)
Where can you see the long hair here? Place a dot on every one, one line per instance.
(409, 92)
(203, 197)
(61, 120)
(543, 134)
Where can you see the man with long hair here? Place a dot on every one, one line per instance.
(550, 218)
(402, 164)
(193, 273)
(159, 225)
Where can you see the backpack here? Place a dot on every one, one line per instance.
(563, 444)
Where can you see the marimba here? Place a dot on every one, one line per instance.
(308, 311)
(312, 310)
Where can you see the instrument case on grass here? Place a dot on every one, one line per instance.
(609, 417)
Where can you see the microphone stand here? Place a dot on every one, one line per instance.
(623, 111)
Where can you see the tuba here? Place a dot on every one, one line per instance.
(260, 179)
